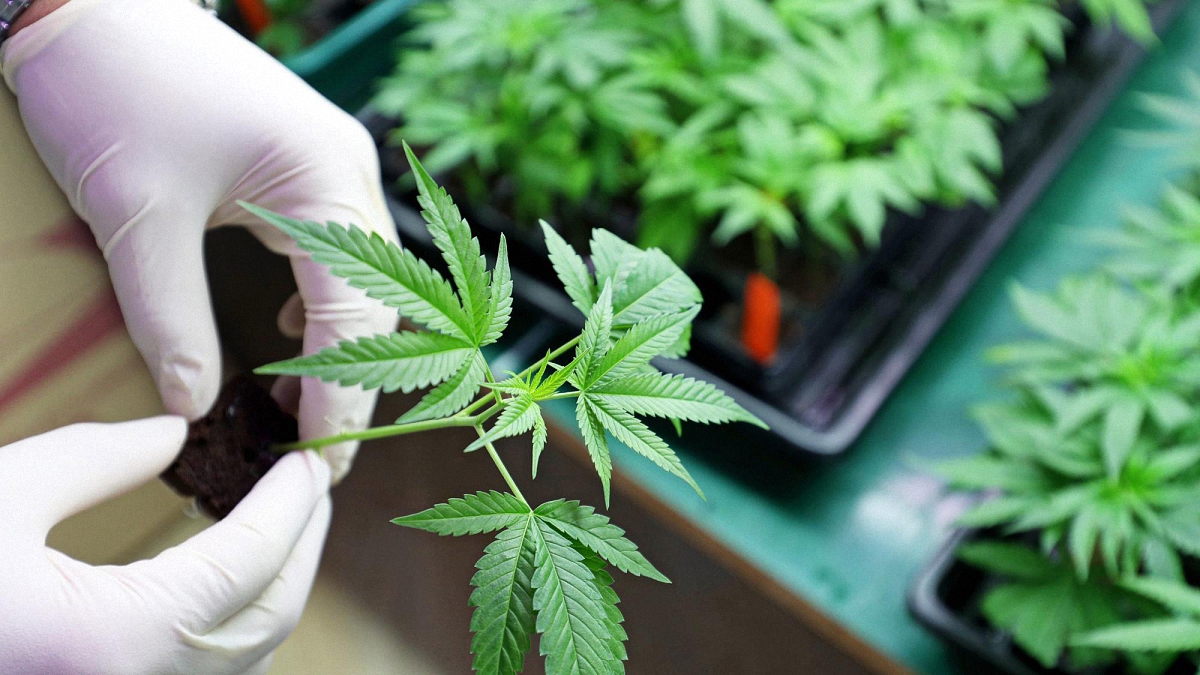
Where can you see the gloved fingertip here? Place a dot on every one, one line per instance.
(316, 470)
(173, 428)
(188, 387)
(340, 458)
(286, 392)
(291, 320)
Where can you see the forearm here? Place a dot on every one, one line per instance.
(38, 10)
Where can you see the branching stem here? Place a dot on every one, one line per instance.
(512, 485)
(465, 418)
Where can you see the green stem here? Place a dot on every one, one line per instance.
(464, 418)
(764, 251)
(549, 357)
(390, 430)
(561, 395)
(512, 485)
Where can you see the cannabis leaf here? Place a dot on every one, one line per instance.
(503, 598)
(1139, 360)
(641, 343)
(672, 397)
(472, 514)
(453, 238)
(452, 395)
(638, 437)
(571, 617)
(613, 618)
(518, 417)
(596, 442)
(385, 271)
(571, 269)
(545, 571)
(594, 531)
(500, 297)
(399, 361)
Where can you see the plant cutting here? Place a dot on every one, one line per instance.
(547, 570)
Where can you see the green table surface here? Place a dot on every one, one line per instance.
(848, 535)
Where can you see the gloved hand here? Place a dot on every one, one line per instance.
(155, 118)
(218, 603)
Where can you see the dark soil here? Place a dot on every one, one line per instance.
(229, 451)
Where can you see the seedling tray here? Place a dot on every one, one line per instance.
(345, 64)
(826, 385)
(945, 598)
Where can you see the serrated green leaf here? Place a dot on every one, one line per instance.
(608, 253)
(596, 339)
(635, 349)
(386, 272)
(571, 270)
(571, 619)
(504, 618)
(597, 533)
(638, 437)
(673, 397)
(399, 361)
(614, 617)
(519, 415)
(472, 514)
(550, 385)
(539, 440)
(1153, 635)
(596, 442)
(452, 395)
(500, 297)
(452, 236)
(651, 285)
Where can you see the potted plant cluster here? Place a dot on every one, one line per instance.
(547, 572)
(826, 171)
(1084, 559)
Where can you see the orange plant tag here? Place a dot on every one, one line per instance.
(760, 318)
(256, 14)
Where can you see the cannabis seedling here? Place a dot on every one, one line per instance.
(547, 569)
(1055, 480)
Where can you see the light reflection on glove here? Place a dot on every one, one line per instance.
(218, 603)
(154, 118)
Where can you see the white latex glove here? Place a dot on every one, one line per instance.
(218, 603)
(155, 118)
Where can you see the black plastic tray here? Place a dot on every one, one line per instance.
(822, 391)
(945, 598)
